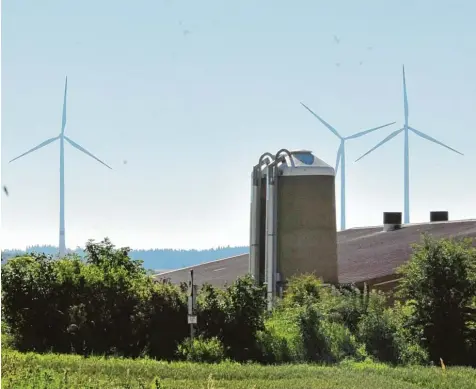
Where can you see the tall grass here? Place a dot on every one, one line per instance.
(53, 371)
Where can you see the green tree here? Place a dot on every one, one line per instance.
(439, 283)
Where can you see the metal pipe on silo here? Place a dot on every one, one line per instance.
(271, 224)
(288, 153)
(254, 223)
(271, 175)
(255, 216)
(280, 157)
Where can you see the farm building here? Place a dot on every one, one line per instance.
(365, 255)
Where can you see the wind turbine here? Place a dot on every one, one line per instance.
(62, 137)
(341, 158)
(406, 163)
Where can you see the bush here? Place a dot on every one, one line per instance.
(386, 340)
(302, 290)
(106, 304)
(234, 315)
(344, 305)
(439, 283)
(280, 341)
(341, 344)
(201, 350)
(304, 328)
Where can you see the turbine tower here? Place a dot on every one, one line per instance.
(341, 158)
(406, 163)
(62, 137)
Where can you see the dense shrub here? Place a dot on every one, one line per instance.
(200, 349)
(439, 283)
(311, 324)
(381, 330)
(234, 315)
(302, 290)
(107, 304)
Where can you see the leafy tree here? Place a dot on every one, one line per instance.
(439, 283)
(234, 315)
(245, 307)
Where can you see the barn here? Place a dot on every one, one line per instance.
(368, 255)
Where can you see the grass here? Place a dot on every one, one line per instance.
(51, 371)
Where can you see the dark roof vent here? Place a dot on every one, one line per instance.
(392, 221)
(438, 216)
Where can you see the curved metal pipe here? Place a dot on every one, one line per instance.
(285, 151)
(270, 159)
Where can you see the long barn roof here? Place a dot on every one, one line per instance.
(364, 254)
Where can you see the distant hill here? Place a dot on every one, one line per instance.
(154, 259)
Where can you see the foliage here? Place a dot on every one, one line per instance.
(302, 290)
(439, 282)
(201, 350)
(28, 370)
(107, 304)
(244, 308)
(7, 339)
(386, 339)
(234, 315)
(311, 325)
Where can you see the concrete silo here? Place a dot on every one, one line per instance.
(293, 219)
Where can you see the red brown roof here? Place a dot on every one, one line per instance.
(364, 254)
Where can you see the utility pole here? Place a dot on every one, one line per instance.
(192, 304)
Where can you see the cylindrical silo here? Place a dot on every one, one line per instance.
(293, 219)
(306, 218)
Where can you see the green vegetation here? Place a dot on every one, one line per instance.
(22, 371)
(107, 304)
(439, 283)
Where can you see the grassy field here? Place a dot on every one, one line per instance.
(21, 371)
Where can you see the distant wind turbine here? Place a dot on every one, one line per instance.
(341, 158)
(62, 138)
(406, 170)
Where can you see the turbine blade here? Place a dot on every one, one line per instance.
(427, 137)
(63, 119)
(392, 135)
(81, 148)
(339, 157)
(405, 97)
(362, 133)
(334, 131)
(42, 144)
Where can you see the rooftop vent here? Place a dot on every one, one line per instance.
(438, 216)
(392, 221)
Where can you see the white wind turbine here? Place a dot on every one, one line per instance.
(406, 152)
(62, 137)
(341, 158)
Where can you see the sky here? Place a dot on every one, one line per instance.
(181, 98)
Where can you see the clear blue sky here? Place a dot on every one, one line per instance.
(191, 113)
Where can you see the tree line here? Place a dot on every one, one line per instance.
(154, 259)
(107, 304)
